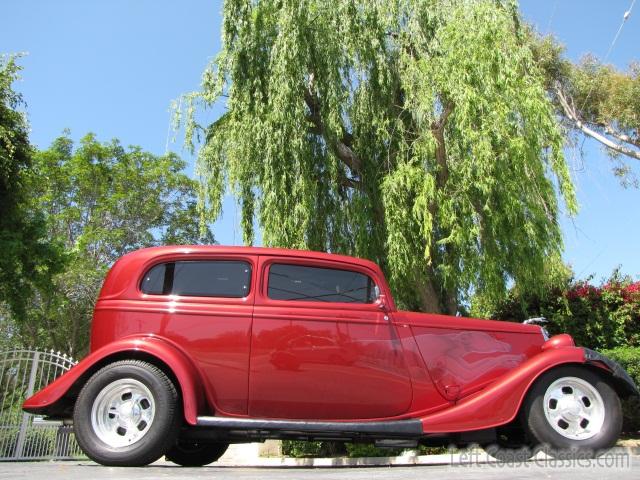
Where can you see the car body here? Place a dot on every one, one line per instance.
(273, 343)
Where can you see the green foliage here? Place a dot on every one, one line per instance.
(300, 449)
(416, 133)
(355, 450)
(27, 259)
(41, 440)
(600, 101)
(629, 359)
(101, 200)
(604, 317)
(105, 200)
(600, 317)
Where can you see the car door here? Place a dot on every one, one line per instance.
(321, 348)
(204, 303)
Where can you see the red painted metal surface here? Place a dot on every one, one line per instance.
(259, 357)
(557, 341)
(499, 402)
(214, 331)
(171, 355)
(325, 360)
(463, 355)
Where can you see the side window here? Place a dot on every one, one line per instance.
(153, 281)
(215, 278)
(299, 282)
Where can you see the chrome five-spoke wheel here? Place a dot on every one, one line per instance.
(574, 408)
(127, 414)
(572, 411)
(123, 412)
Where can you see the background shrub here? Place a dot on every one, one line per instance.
(604, 317)
(601, 317)
(629, 358)
(297, 449)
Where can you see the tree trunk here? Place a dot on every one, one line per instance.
(429, 298)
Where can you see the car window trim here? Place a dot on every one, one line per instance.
(170, 265)
(315, 264)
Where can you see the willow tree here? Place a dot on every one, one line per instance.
(416, 133)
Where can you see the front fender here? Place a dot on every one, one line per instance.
(48, 399)
(498, 403)
(624, 382)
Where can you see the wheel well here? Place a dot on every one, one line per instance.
(602, 372)
(621, 388)
(63, 408)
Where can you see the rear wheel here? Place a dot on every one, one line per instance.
(572, 411)
(196, 454)
(511, 445)
(127, 414)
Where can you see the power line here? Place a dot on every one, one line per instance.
(625, 17)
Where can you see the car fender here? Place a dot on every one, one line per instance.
(46, 401)
(623, 382)
(499, 402)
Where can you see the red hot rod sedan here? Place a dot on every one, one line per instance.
(197, 347)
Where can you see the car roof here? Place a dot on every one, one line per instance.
(151, 252)
(122, 279)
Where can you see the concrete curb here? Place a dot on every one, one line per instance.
(466, 457)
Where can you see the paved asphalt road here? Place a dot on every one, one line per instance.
(628, 468)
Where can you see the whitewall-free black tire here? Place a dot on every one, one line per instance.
(127, 414)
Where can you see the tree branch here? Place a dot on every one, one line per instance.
(621, 137)
(350, 183)
(437, 128)
(571, 113)
(341, 147)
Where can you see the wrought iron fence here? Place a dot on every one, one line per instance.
(24, 436)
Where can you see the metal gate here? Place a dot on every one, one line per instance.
(24, 436)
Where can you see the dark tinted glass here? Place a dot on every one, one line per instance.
(298, 282)
(153, 281)
(218, 278)
(211, 279)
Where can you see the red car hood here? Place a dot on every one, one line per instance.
(433, 320)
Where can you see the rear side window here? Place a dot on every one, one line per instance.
(316, 284)
(217, 278)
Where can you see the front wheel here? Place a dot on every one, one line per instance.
(195, 454)
(572, 411)
(127, 414)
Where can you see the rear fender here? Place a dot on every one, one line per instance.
(55, 397)
(499, 402)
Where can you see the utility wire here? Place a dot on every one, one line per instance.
(626, 15)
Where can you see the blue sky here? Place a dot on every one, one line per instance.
(113, 66)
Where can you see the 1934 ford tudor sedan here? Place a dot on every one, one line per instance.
(197, 347)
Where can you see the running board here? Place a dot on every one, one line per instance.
(397, 428)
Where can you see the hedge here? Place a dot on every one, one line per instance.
(300, 449)
(629, 358)
(603, 316)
